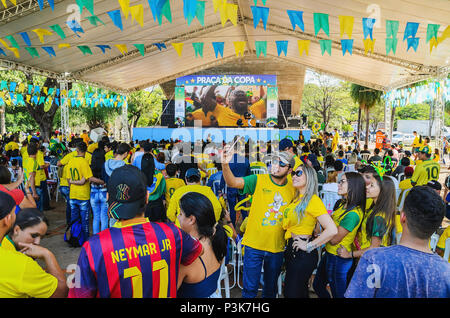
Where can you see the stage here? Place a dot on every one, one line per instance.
(217, 134)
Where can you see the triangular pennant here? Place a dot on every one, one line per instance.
(217, 4)
(41, 4)
(160, 46)
(432, 31)
(75, 27)
(88, 4)
(13, 41)
(50, 50)
(85, 49)
(391, 28)
(261, 47)
(369, 45)
(2, 52)
(199, 13)
(410, 30)
(321, 21)
(282, 47)
(325, 46)
(228, 12)
(178, 47)
(15, 51)
(26, 38)
(125, 6)
(141, 48)
(103, 47)
(260, 13)
(391, 45)
(368, 24)
(413, 42)
(256, 2)
(198, 48)
(159, 9)
(58, 30)
(239, 47)
(346, 24)
(41, 32)
(303, 46)
(94, 19)
(122, 48)
(218, 48)
(347, 46)
(116, 18)
(63, 45)
(296, 18)
(137, 13)
(433, 44)
(189, 8)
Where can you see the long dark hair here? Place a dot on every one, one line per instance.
(148, 167)
(356, 192)
(194, 203)
(384, 206)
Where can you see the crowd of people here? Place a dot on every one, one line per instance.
(164, 216)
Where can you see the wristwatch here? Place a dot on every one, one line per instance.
(309, 247)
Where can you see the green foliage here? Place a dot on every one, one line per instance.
(414, 111)
(364, 96)
(145, 107)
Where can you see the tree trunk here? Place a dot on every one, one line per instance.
(367, 124)
(392, 122)
(359, 123)
(3, 120)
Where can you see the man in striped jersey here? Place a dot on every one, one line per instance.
(135, 258)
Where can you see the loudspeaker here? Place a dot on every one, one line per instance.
(286, 105)
(168, 116)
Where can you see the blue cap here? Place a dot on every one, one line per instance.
(285, 143)
(192, 172)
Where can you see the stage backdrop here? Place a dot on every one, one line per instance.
(226, 100)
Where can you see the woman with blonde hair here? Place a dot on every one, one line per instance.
(300, 219)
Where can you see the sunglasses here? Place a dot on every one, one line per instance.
(297, 173)
(279, 163)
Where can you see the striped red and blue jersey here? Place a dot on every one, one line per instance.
(137, 260)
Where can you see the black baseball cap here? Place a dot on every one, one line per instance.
(192, 172)
(127, 192)
(7, 203)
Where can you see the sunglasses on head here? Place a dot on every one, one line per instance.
(297, 173)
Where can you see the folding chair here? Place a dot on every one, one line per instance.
(433, 241)
(401, 199)
(53, 181)
(401, 177)
(329, 198)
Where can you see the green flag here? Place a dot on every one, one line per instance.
(391, 28)
(391, 45)
(198, 48)
(13, 41)
(261, 47)
(432, 31)
(321, 22)
(141, 48)
(325, 45)
(94, 19)
(33, 51)
(58, 30)
(85, 49)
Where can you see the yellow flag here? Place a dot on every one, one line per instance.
(178, 47)
(122, 48)
(4, 3)
(15, 51)
(45, 90)
(63, 45)
(232, 10)
(21, 88)
(346, 23)
(137, 13)
(369, 45)
(28, 98)
(125, 6)
(41, 32)
(216, 3)
(239, 47)
(303, 46)
(445, 35)
(4, 43)
(14, 2)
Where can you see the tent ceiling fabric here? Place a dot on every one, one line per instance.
(132, 71)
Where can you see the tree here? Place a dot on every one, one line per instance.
(366, 98)
(324, 100)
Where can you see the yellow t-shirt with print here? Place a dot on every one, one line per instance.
(40, 172)
(305, 223)
(65, 161)
(264, 229)
(172, 184)
(30, 165)
(351, 221)
(379, 230)
(425, 172)
(173, 208)
(444, 236)
(22, 277)
(78, 168)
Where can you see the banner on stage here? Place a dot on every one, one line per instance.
(227, 100)
(180, 107)
(272, 107)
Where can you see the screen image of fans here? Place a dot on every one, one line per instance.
(226, 101)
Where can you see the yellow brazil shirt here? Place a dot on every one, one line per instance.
(173, 208)
(78, 168)
(40, 172)
(12, 145)
(30, 165)
(444, 236)
(109, 155)
(7, 243)
(425, 172)
(350, 221)
(264, 230)
(303, 222)
(172, 184)
(92, 147)
(65, 161)
(24, 152)
(379, 229)
(22, 277)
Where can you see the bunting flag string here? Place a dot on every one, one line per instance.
(260, 14)
(325, 46)
(137, 13)
(303, 46)
(369, 45)
(261, 48)
(88, 4)
(321, 22)
(218, 48)
(116, 18)
(75, 27)
(368, 27)
(239, 47)
(347, 46)
(178, 48)
(282, 47)
(198, 48)
(410, 30)
(159, 9)
(296, 18)
(346, 24)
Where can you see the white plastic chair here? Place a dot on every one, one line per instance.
(433, 241)
(401, 200)
(53, 180)
(211, 171)
(226, 280)
(258, 170)
(329, 198)
(401, 177)
(350, 168)
(447, 250)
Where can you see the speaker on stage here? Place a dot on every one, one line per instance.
(168, 116)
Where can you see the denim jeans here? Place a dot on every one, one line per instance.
(80, 209)
(65, 192)
(253, 263)
(333, 270)
(44, 197)
(99, 209)
(39, 205)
